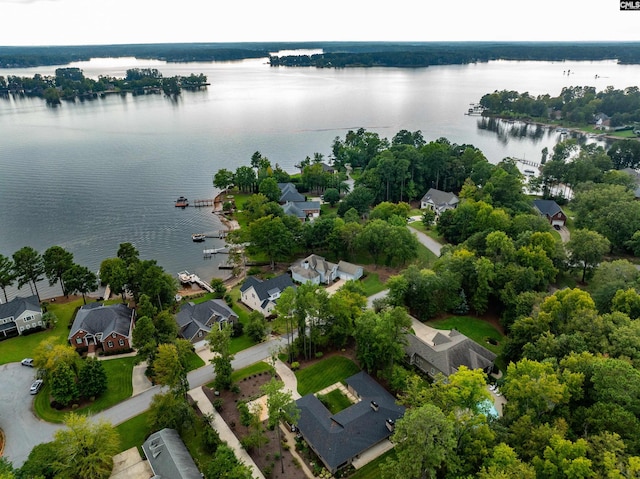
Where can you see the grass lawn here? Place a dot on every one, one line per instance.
(259, 367)
(20, 347)
(325, 373)
(372, 284)
(372, 470)
(474, 328)
(335, 401)
(194, 362)
(119, 388)
(134, 431)
(478, 330)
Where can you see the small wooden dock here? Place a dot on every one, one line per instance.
(210, 252)
(526, 162)
(186, 277)
(205, 202)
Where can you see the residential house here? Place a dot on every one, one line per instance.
(169, 457)
(262, 295)
(444, 351)
(339, 439)
(550, 210)
(296, 204)
(439, 201)
(195, 321)
(20, 315)
(289, 193)
(317, 270)
(349, 271)
(99, 326)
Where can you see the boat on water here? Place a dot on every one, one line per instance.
(182, 202)
(185, 277)
(198, 237)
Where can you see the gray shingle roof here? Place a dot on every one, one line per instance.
(440, 198)
(194, 317)
(289, 192)
(450, 350)
(262, 288)
(547, 207)
(97, 318)
(19, 305)
(290, 208)
(339, 438)
(169, 457)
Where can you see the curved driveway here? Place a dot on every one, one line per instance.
(22, 429)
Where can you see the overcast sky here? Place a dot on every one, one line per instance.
(78, 22)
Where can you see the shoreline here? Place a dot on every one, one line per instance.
(572, 129)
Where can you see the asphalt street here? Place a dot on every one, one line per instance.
(23, 430)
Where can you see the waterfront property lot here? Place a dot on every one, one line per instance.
(15, 349)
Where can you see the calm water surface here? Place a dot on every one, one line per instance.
(91, 175)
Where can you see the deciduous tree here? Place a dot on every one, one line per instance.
(57, 261)
(85, 448)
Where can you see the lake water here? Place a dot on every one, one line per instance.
(91, 175)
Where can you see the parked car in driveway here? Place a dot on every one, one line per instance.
(36, 386)
(27, 362)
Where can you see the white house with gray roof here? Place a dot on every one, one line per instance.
(195, 321)
(438, 201)
(262, 295)
(317, 270)
(20, 315)
(168, 456)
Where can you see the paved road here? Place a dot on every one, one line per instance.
(23, 430)
(21, 427)
(429, 242)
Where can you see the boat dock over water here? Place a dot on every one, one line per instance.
(209, 252)
(189, 278)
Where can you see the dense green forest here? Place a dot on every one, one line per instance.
(575, 104)
(335, 54)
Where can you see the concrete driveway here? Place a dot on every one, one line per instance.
(21, 427)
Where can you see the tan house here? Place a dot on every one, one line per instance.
(99, 326)
(20, 315)
(317, 270)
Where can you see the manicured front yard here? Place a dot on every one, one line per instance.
(325, 373)
(477, 329)
(134, 431)
(119, 388)
(15, 349)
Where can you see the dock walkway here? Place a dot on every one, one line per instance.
(186, 277)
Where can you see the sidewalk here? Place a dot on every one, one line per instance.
(226, 434)
(288, 378)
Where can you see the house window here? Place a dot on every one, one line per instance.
(27, 319)
(199, 334)
(110, 344)
(121, 342)
(21, 328)
(78, 340)
(113, 335)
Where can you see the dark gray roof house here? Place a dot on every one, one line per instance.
(550, 210)
(196, 320)
(19, 315)
(445, 351)
(289, 192)
(636, 177)
(340, 438)
(108, 326)
(169, 457)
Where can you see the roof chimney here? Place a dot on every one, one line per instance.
(374, 406)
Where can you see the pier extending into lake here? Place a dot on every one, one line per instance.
(187, 278)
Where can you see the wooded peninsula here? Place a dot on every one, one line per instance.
(334, 54)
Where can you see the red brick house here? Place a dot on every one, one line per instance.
(552, 211)
(106, 327)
